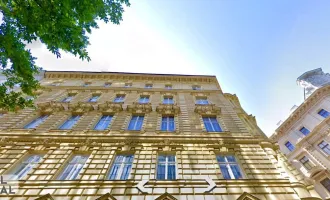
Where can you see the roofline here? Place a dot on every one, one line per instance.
(131, 73)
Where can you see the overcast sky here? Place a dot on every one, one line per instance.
(256, 49)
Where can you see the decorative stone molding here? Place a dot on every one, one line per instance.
(198, 93)
(139, 107)
(166, 196)
(110, 107)
(144, 93)
(45, 197)
(72, 92)
(80, 107)
(168, 94)
(50, 107)
(106, 196)
(167, 145)
(168, 109)
(96, 93)
(247, 196)
(207, 109)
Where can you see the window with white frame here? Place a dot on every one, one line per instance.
(168, 100)
(144, 99)
(168, 123)
(36, 122)
(324, 113)
(289, 145)
(325, 147)
(94, 98)
(229, 167)
(121, 167)
(68, 98)
(202, 100)
(211, 124)
(25, 166)
(73, 168)
(166, 167)
(69, 123)
(326, 183)
(103, 123)
(136, 123)
(306, 163)
(119, 98)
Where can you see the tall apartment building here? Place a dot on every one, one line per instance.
(304, 137)
(126, 136)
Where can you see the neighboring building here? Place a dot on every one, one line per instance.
(312, 80)
(130, 136)
(304, 137)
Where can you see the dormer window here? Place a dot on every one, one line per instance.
(148, 86)
(168, 86)
(196, 87)
(107, 84)
(127, 85)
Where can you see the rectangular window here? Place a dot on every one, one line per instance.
(119, 98)
(211, 124)
(202, 100)
(304, 131)
(127, 85)
(144, 99)
(73, 168)
(121, 168)
(148, 86)
(136, 123)
(55, 84)
(107, 84)
(103, 123)
(68, 124)
(26, 166)
(168, 123)
(36, 122)
(307, 164)
(229, 167)
(68, 99)
(168, 100)
(325, 147)
(324, 113)
(169, 87)
(166, 167)
(326, 183)
(86, 84)
(94, 98)
(196, 87)
(289, 146)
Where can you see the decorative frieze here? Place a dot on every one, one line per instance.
(207, 109)
(168, 109)
(110, 107)
(51, 107)
(80, 107)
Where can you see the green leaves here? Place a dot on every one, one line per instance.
(59, 24)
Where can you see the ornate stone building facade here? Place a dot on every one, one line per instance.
(128, 136)
(304, 138)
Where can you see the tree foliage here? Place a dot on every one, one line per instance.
(59, 24)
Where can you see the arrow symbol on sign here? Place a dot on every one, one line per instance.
(211, 183)
(140, 186)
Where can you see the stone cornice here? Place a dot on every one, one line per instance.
(301, 111)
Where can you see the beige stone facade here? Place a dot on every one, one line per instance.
(307, 129)
(191, 149)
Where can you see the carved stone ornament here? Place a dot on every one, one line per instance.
(110, 107)
(45, 197)
(168, 109)
(80, 107)
(139, 107)
(208, 109)
(72, 92)
(96, 93)
(38, 92)
(50, 107)
(166, 196)
(106, 196)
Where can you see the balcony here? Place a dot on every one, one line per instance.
(139, 107)
(207, 109)
(110, 107)
(168, 109)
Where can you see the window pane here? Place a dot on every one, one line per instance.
(36, 122)
(114, 171)
(161, 172)
(73, 168)
(70, 122)
(103, 122)
(289, 146)
(304, 130)
(171, 172)
(224, 171)
(326, 183)
(236, 171)
(26, 166)
(324, 113)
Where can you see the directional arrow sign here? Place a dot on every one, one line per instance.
(140, 186)
(211, 183)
